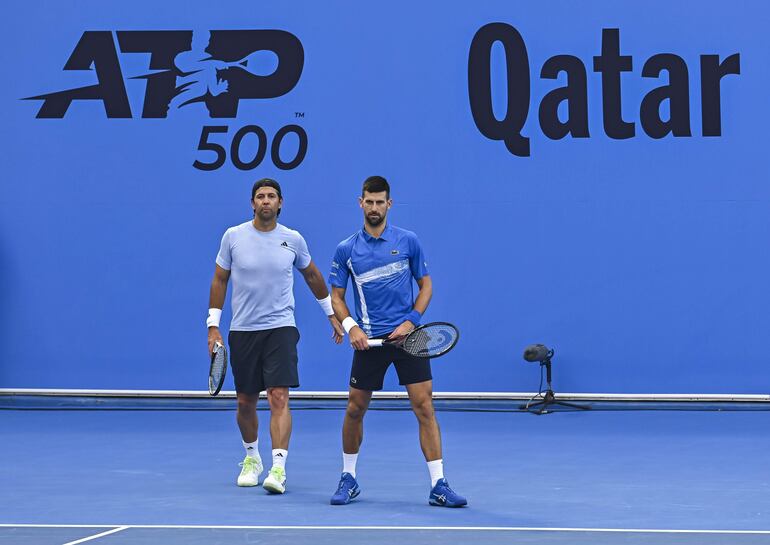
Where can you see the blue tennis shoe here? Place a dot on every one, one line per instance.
(346, 490)
(443, 496)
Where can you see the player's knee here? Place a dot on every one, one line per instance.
(355, 411)
(278, 398)
(247, 404)
(423, 409)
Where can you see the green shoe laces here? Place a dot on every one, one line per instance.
(249, 464)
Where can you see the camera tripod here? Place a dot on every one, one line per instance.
(548, 397)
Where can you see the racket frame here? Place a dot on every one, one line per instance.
(399, 343)
(217, 347)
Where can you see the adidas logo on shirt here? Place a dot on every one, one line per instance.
(284, 244)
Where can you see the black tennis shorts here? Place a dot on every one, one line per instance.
(369, 368)
(264, 359)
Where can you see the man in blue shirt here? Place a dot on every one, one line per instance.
(381, 260)
(259, 257)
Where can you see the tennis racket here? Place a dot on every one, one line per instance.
(218, 368)
(427, 341)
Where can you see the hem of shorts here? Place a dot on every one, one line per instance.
(237, 391)
(415, 382)
(292, 324)
(366, 389)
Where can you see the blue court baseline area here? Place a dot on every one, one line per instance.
(329, 535)
(640, 477)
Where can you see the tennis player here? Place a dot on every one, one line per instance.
(381, 260)
(258, 256)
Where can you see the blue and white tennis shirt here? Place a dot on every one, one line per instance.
(382, 270)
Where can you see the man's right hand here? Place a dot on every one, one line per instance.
(358, 339)
(214, 337)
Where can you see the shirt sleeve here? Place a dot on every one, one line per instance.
(338, 276)
(224, 257)
(301, 253)
(417, 262)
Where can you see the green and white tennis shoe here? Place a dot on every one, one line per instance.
(251, 467)
(275, 481)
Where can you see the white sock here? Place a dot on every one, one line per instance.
(252, 449)
(436, 468)
(279, 457)
(349, 463)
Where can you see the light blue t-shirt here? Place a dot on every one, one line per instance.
(260, 266)
(382, 270)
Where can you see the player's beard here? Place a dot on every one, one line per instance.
(374, 220)
(266, 214)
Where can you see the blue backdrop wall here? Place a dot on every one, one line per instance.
(642, 259)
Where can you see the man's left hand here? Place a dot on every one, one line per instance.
(402, 331)
(338, 333)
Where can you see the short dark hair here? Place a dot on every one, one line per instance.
(376, 184)
(267, 182)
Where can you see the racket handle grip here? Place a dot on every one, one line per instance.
(375, 342)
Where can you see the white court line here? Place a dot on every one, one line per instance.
(83, 540)
(448, 528)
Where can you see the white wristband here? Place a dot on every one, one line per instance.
(326, 305)
(214, 315)
(348, 324)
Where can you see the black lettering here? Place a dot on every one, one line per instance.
(677, 92)
(163, 46)
(711, 74)
(233, 46)
(575, 93)
(205, 145)
(275, 149)
(509, 128)
(95, 48)
(611, 63)
(235, 147)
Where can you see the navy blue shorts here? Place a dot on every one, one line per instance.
(369, 368)
(264, 359)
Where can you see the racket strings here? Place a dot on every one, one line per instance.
(418, 342)
(218, 365)
(431, 340)
(217, 370)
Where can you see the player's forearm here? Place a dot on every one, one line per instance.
(423, 298)
(316, 284)
(341, 310)
(217, 293)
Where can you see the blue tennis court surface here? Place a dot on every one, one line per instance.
(161, 476)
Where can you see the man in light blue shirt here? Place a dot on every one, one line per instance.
(383, 262)
(259, 257)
